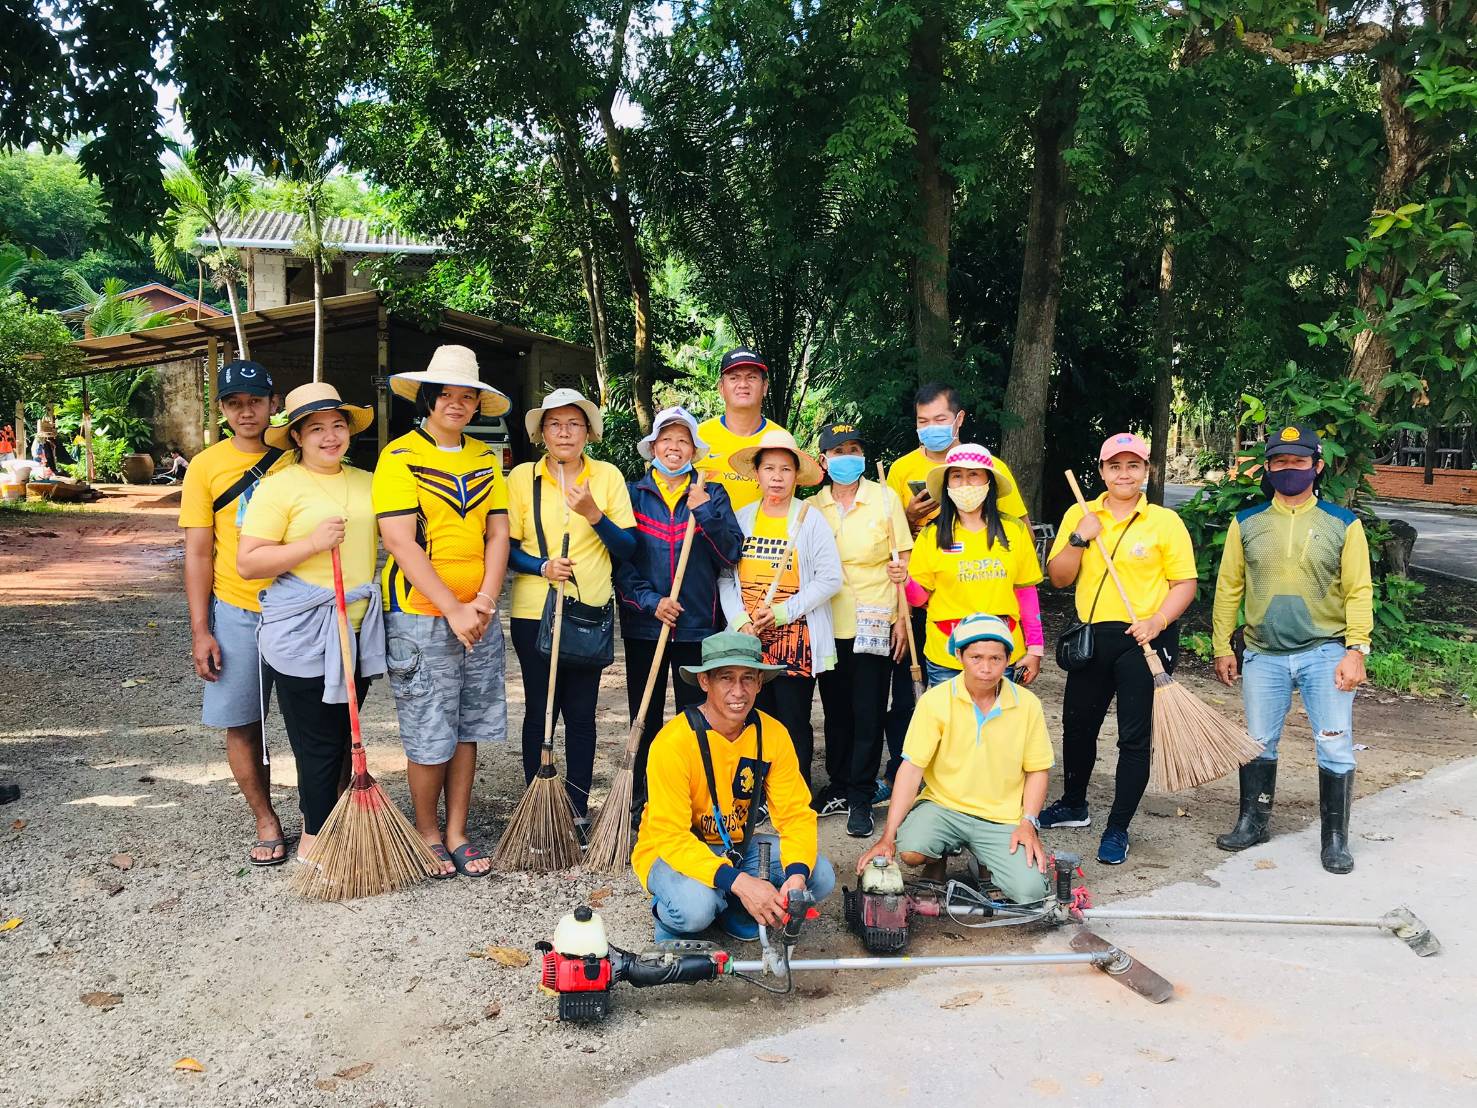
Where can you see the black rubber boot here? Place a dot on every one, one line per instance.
(1258, 787)
(1335, 795)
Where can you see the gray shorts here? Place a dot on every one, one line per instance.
(444, 693)
(235, 698)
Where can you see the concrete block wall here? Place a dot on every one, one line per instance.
(179, 406)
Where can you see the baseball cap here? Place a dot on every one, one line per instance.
(1125, 443)
(742, 356)
(834, 434)
(1295, 438)
(243, 376)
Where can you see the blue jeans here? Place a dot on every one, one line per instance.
(685, 907)
(937, 674)
(1267, 682)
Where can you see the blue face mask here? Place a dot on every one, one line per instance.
(664, 471)
(846, 469)
(936, 436)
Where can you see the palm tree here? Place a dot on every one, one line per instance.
(309, 164)
(109, 312)
(13, 266)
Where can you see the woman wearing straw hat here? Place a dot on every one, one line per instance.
(442, 506)
(295, 519)
(670, 492)
(564, 496)
(972, 559)
(781, 587)
(1151, 550)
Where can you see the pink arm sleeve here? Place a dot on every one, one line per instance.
(1030, 605)
(917, 595)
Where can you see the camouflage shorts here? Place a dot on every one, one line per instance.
(444, 693)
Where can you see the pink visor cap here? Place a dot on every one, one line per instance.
(1126, 443)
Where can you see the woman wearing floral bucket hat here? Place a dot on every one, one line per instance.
(973, 559)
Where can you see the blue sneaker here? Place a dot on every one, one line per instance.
(1064, 815)
(883, 793)
(1113, 850)
(735, 922)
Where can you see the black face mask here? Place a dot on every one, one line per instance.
(1289, 482)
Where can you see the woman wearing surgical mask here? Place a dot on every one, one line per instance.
(973, 560)
(868, 522)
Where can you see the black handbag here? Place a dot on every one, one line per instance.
(1074, 645)
(587, 638)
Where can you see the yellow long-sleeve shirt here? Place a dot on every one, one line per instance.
(1304, 574)
(678, 825)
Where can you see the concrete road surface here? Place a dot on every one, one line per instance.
(1446, 542)
(1261, 1016)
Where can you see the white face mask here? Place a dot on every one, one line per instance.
(968, 498)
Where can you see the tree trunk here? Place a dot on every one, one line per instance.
(1023, 444)
(317, 322)
(933, 331)
(220, 248)
(1163, 366)
(579, 199)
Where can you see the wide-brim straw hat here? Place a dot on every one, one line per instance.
(778, 439)
(46, 428)
(452, 365)
(968, 455)
(678, 414)
(533, 422)
(319, 396)
(732, 648)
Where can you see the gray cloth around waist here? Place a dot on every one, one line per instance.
(299, 633)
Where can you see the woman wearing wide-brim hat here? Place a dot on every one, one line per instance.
(564, 493)
(442, 505)
(971, 559)
(292, 523)
(796, 628)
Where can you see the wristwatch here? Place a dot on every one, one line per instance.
(1074, 539)
(1361, 647)
(1035, 821)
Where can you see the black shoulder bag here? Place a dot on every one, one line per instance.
(588, 638)
(1074, 646)
(247, 479)
(699, 724)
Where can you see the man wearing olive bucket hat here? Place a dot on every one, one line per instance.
(442, 507)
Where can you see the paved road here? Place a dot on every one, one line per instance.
(1446, 542)
(1261, 1015)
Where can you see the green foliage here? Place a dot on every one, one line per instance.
(35, 346)
(1198, 643)
(1427, 660)
(107, 459)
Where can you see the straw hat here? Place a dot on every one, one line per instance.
(452, 365)
(319, 396)
(46, 428)
(533, 422)
(968, 455)
(778, 439)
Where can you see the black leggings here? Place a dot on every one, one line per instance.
(903, 701)
(639, 653)
(854, 700)
(788, 700)
(575, 694)
(1117, 666)
(319, 735)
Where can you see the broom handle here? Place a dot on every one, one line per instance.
(1108, 558)
(905, 611)
(548, 748)
(342, 607)
(785, 557)
(633, 741)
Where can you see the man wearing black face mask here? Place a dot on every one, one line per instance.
(1301, 564)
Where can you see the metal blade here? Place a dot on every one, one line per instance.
(1124, 967)
(1406, 926)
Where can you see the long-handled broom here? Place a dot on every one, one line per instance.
(904, 611)
(365, 846)
(1191, 743)
(610, 839)
(540, 836)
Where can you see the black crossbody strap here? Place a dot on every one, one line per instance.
(1098, 595)
(538, 529)
(247, 479)
(699, 724)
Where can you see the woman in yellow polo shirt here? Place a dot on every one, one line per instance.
(972, 560)
(594, 510)
(1151, 550)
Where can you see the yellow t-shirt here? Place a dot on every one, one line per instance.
(865, 537)
(213, 471)
(973, 765)
(451, 493)
(592, 568)
(916, 466)
(972, 577)
(1155, 552)
(290, 503)
(721, 444)
(759, 561)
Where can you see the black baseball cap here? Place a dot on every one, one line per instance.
(742, 356)
(1295, 438)
(251, 378)
(834, 434)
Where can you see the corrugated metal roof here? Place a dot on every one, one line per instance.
(266, 230)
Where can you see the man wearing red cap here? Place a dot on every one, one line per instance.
(743, 382)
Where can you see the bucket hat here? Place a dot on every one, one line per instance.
(731, 648)
(676, 414)
(533, 422)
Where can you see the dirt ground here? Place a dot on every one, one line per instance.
(124, 861)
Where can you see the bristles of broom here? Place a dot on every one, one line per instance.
(540, 837)
(1192, 744)
(611, 837)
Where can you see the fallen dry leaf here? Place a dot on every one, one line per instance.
(1046, 1086)
(1155, 1055)
(1092, 1080)
(105, 1001)
(121, 861)
(113, 889)
(774, 1059)
(11, 924)
(493, 1010)
(20, 824)
(189, 1065)
(598, 898)
(1415, 773)
(327, 1084)
(1182, 812)
(1264, 863)
(355, 1071)
(414, 981)
(963, 1000)
(133, 682)
(509, 956)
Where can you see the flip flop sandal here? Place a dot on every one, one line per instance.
(267, 844)
(468, 853)
(442, 856)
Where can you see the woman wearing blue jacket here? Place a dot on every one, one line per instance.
(668, 493)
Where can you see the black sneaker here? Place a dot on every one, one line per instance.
(834, 806)
(859, 823)
(1063, 815)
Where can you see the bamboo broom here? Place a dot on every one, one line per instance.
(610, 839)
(1191, 743)
(540, 836)
(905, 611)
(365, 846)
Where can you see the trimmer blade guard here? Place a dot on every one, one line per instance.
(1124, 967)
(1406, 926)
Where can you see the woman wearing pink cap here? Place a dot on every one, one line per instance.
(1151, 550)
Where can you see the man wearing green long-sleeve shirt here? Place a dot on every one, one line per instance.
(1301, 564)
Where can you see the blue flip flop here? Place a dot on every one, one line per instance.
(442, 856)
(468, 853)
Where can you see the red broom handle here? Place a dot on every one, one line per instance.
(347, 652)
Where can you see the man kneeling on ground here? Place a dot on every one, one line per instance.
(709, 770)
(978, 746)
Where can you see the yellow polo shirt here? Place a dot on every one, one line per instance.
(213, 471)
(916, 466)
(715, 466)
(977, 765)
(972, 576)
(592, 568)
(1156, 551)
(865, 537)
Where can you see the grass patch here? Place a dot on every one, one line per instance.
(32, 507)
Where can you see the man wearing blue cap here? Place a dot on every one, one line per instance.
(978, 747)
